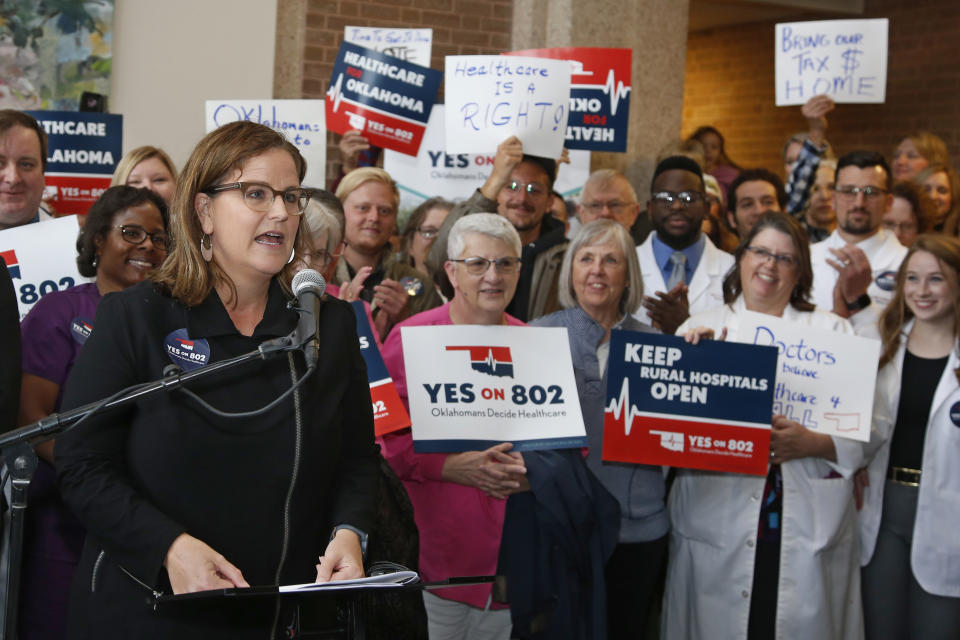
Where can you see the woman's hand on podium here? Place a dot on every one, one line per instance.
(343, 559)
(193, 566)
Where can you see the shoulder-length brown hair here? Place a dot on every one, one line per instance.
(946, 249)
(185, 274)
(800, 296)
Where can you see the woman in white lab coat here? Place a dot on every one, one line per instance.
(755, 557)
(911, 513)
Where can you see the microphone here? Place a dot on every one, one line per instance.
(308, 286)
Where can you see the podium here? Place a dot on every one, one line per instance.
(330, 612)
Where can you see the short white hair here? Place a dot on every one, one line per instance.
(488, 224)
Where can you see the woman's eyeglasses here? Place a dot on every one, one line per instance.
(135, 234)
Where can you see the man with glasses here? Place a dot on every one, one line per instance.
(682, 270)
(23, 159)
(855, 268)
(608, 194)
(752, 193)
(519, 189)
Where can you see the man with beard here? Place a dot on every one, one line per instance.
(520, 189)
(679, 264)
(855, 268)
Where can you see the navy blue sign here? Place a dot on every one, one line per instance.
(376, 370)
(82, 142)
(186, 353)
(713, 380)
(80, 329)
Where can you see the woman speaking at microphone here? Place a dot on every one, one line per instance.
(177, 499)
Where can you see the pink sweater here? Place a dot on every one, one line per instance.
(460, 526)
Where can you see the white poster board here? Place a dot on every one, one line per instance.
(825, 380)
(41, 259)
(303, 122)
(412, 45)
(844, 59)
(434, 172)
(490, 98)
(471, 387)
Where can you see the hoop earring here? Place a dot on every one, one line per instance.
(206, 247)
(293, 254)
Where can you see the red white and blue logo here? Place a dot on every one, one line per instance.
(186, 353)
(13, 265)
(494, 361)
(955, 414)
(887, 280)
(80, 329)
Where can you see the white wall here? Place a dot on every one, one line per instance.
(170, 56)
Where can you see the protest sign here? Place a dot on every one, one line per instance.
(470, 387)
(490, 98)
(825, 379)
(41, 258)
(301, 121)
(599, 95)
(844, 59)
(434, 172)
(412, 45)
(82, 152)
(388, 411)
(385, 98)
(704, 406)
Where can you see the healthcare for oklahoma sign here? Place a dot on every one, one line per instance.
(704, 406)
(471, 387)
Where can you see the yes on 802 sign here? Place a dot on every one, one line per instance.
(471, 387)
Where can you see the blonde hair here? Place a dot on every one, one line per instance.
(930, 146)
(946, 250)
(353, 180)
(134, 157)
(185, 274)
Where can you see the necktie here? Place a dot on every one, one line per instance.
(679, 262)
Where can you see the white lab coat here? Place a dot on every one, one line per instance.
(935, 554)
(714, 518)
(885, 254)
(706, 285)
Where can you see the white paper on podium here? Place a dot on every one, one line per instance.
(386, 580)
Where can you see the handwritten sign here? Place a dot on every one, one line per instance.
(825, 380)
(471, 387)
(301, 121)
(490, 98)
(599, 95)
(41, 258)
(388, 412)
(845, 59)
(83, 151)
(434, 172)
(387, 99)
(705, 406)
(412, 45)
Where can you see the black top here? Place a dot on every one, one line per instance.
(138, 478)
(9, 351)
(916, 396)
(552, 233)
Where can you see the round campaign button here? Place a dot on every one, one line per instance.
(411, 285)
(80, 329)
(955, 414)
(186, 353)
(887, 280)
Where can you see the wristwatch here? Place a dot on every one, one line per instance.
(360, 534)
(860, 303)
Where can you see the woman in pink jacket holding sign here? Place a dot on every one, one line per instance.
(755, 557)
(458, 498)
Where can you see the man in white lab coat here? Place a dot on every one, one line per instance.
(682, 270)
(855, 268)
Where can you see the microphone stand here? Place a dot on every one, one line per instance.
(16, 448)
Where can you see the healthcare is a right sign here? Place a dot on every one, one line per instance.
(705, 406)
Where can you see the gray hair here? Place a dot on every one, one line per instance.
(324, 214)
(599, 232)
(607, 177)
(489, 224)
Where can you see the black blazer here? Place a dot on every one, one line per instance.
(138, 478)
(9, 351)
